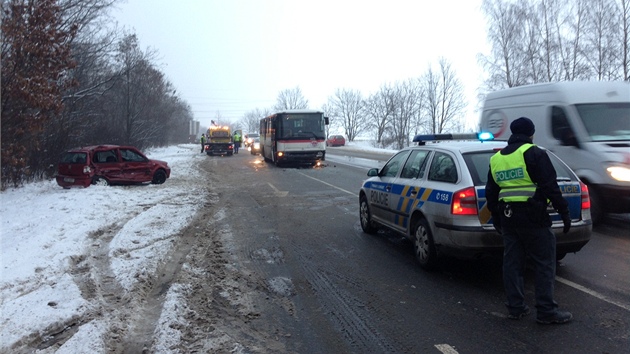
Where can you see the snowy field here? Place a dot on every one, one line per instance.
(46, 230)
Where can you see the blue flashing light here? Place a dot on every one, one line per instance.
(484, 136)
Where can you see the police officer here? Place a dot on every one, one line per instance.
(521, 181)
(203, 141)
(237, 142)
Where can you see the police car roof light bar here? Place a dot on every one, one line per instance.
(421, 139)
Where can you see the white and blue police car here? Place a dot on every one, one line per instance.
(434, 194)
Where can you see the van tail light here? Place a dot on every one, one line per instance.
(464, 202)
(586, 200)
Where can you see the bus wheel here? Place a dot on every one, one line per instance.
(262, 152)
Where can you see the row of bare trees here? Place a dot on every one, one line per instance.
(556, 40)
(432, 103)
(69, 79)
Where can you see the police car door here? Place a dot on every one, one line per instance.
(381, 191)
(406, 189)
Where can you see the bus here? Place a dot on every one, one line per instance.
(294, 137)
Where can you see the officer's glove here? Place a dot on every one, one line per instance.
(496, 222)
(566, 220)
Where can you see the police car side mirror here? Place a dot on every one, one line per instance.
(372, 172)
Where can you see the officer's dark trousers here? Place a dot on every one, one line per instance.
(540, 245)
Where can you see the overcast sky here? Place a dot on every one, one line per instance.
(232, 56)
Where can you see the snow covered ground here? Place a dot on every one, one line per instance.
(48, 232)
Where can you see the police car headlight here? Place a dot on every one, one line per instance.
(619, 173)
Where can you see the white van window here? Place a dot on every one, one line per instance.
(560, 128)
(606, 121)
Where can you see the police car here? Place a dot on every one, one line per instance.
(434, 194)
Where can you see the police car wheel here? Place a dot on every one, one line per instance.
(366, 217)
(423, 245)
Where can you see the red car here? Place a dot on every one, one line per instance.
(109, 164)
(336, 140)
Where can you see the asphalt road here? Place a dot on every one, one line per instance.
(330, 288)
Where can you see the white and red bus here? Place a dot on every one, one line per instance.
(294, 137)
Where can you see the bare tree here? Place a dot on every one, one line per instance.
(379, 109)
(505, 35)
(551, 40)
(572, 24)
(290, 99)
(219, 119)
(346, 106)
(407, 105)
(135, 94)
(251, 120)
(624, 5)
(333, 123)
(601, 39)
(445, 101)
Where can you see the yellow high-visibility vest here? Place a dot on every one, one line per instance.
(510, 173)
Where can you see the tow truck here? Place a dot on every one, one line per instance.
(219, 141)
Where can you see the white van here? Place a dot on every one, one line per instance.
(587, 124)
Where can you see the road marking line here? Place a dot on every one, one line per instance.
(560, 279)
(278, 192)
(592, 292)
(446, 349)
(328, 184)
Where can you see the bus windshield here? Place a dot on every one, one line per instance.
(606, 121)
(302, 125)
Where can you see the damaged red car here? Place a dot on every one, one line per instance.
(109, 165)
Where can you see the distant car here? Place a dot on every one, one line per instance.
(109, 164)
(254, 146)
(434, 194)
(336, 140)
(250, 138)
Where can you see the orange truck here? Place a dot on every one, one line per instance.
(219, 141)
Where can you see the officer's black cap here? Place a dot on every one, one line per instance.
(523, 126)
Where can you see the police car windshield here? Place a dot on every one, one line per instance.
(606, 121)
